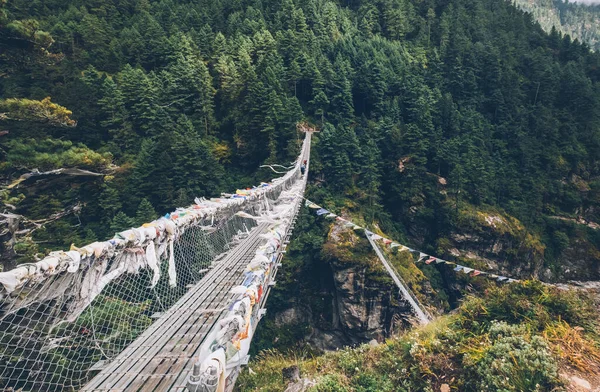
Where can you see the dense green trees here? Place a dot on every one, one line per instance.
(422, 105)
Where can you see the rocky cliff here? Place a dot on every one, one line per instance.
(355, 302)
(497, 242)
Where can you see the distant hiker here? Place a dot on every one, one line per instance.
(303, 168)
(304, 162)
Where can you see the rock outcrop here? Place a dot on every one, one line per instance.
(497, 242)
(359, 301)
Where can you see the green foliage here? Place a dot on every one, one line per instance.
(121, 222)
(514, 363)
(69, 346)
(329, 383)
(529, 302)
(145, 213)
(434, 116)
(372, 382)
(117, 316)
(48, 154)
(190, 98)
(30, 110)
(477, 348)
(561, 239)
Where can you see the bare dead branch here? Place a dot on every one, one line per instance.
(64, 171)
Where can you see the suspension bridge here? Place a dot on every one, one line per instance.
(169, 306)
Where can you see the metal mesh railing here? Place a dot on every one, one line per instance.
(66, 314)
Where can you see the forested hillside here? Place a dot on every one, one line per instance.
(432, 113)
(578, 19)
(458, 127)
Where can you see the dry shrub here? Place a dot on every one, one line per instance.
(573, 347)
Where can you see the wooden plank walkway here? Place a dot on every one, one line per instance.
(160, 358)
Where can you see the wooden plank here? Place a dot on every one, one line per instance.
(179, 384)
(129, 364)
(171, 368)
(193, 339)
(151, 334)
(163, 364)
(161, 331)
(198, 329)
(144, 342)
(120, 368)
(196, 340)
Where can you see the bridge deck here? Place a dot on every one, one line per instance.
(160, 358)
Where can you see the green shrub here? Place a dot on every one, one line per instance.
(329, 383)
(369, 382)
(515, 362)
(529, 302)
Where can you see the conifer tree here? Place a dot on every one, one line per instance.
(121, 222)
(145, 213)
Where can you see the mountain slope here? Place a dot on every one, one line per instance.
(581, 21)
(521, 337)
(428, 109)
(456, 126)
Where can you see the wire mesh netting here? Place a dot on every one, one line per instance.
(64, 315)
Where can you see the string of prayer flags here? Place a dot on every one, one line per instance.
(423, 257)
